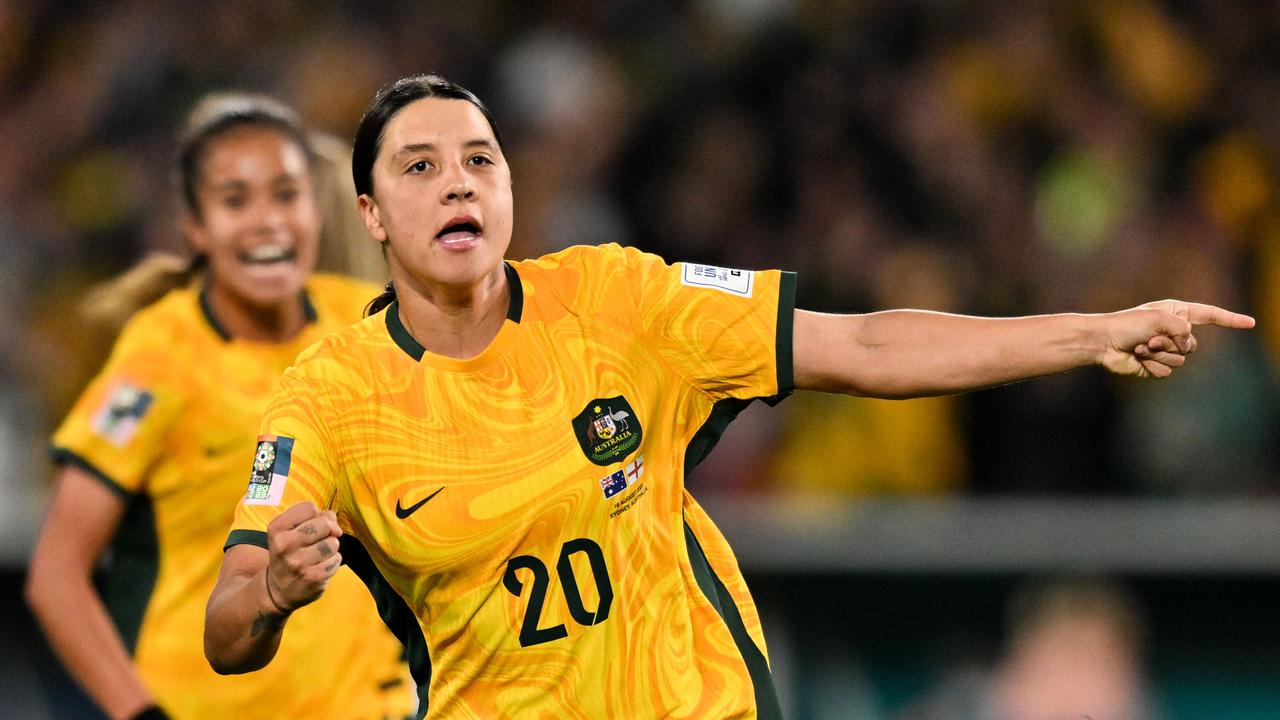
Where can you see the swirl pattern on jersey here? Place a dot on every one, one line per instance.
(538, 594)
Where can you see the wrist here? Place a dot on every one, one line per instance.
(1093, 336)
(274, 604)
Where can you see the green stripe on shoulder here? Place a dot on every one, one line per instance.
(700, 445)
(130, 579)
(395, 614)
(65, 456)
(766, 696)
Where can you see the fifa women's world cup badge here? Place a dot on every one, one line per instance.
(270, 470)
(608, 430)
(265, 458)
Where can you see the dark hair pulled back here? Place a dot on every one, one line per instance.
(386, 103)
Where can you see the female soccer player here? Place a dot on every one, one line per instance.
(151, 453)
(501, 451)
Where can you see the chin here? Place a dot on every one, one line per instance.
(270, 295)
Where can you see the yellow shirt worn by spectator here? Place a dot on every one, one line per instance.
(168, 424)
(523, 511)
(869, 447)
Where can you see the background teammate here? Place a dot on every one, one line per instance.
(151, 453)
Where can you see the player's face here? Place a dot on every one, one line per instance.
(442, 195)
(258, 223)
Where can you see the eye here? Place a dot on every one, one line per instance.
(287, 195)
(235, 202)
(419, 167)
(479, 160)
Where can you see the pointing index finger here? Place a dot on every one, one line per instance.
(1200, 314)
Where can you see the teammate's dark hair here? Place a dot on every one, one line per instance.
(386, 103)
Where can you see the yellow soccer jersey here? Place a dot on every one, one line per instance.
(522, 514)
(167, 425)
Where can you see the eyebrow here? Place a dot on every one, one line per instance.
(429, 147)
(236, 184)
(274, 180)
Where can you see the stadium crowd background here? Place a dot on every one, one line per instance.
(1000, 157)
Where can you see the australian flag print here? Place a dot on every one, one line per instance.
(622, 479)
(614, 484)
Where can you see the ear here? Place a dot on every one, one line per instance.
(195, 232)
(372, 218)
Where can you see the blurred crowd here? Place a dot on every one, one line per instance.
(1000, 157)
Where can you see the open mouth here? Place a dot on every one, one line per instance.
(268, 254)
(459, 230)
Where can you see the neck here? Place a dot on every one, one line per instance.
(455, 322)
(270, 324)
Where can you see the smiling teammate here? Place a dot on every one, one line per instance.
(500, 452)
(151, 453)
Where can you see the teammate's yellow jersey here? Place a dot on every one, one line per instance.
(167, 425)
(522, 514)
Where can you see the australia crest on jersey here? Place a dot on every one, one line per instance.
(608, 430)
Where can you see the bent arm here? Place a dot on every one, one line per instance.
(82, 518)
(914, 353)
(258, 588)
(242, 626)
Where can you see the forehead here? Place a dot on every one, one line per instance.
(437, 121)
(251, 151)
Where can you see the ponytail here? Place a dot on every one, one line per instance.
(345, 245)
(387, 297)
(111, 303)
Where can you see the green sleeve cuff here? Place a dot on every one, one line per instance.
(785, 333)
(64, 456)
(246, 537)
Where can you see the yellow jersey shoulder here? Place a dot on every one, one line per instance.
(170, 326)
(593, 257)
(340, 300)
(586, 279)
(348, 357)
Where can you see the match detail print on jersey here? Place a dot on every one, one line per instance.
(734, 282)
(270, 470)
(608, 430)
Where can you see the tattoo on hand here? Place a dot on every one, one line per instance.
(325, 550)
(308, 529)
(333, 566)
(266, 622)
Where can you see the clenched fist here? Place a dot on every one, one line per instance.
(302, 543)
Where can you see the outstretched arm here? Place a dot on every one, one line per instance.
(258, 589)
(913, 353)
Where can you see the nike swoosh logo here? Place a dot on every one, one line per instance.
(404, 512)
(223, 448)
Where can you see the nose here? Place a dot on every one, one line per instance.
(461, 190)
(270, 216)
(457, 185)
